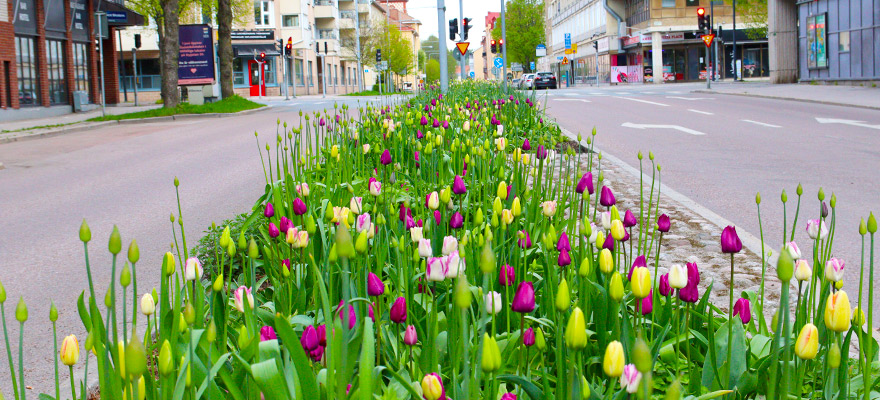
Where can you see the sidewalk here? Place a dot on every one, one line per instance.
(849, 96)
(70, 118)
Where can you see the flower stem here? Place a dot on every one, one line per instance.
(730, 327)
(72, 385)
(21, 360)
(9, 351)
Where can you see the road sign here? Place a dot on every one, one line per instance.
(516, 68)
(473, 74)
(540, 50)
(532, 65)
(564, 60)
(568, 51)
(574, 48)
(117, 16)
(567, 40)
(498, 63)
(708, 38)
(462, 47)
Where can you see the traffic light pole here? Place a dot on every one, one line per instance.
(284, 70)
(462, 57)
(134, 63)
(503, 47)
(708, 72)
(444, 68)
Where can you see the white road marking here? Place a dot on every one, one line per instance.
(583, 100)
(318, 103)
(689, 98)
(700, 112)
(570, 94)
(676, 127)
(846, 122)
(645, 101)
(761, 123)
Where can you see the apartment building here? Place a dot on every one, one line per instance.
(486, 71)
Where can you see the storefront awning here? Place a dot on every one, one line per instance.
(119, 15)
(250, 49)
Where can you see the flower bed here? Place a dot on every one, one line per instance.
(457, 246)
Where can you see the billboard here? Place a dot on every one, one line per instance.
(196, 63)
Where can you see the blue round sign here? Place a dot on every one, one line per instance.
(499, 62)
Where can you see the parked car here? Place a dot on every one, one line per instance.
(516, 83)
(545, 80)
(527, 81)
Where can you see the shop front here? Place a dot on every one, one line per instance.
(684, 58)
(247, 46)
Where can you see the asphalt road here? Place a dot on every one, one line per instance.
(724, 149)
(123, 175)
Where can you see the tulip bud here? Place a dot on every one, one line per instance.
(606, 262)
(189, 313)
(563, 298)
(838, 312)
(615, 288)
(758, 198)
(244, 338)
(462, 294)
(2, 293)
(115, 243)
(641, 282)
(576, 330)
(166, 361)
(134, 253)
(491, 360)
(784, 266)
(872, 223)
(85, 234)
(858, 318)
(774, 321)
(148, 307)
(540, 341)
(125, 276)
(360, 244)
(21, 311)
(586, 267)
(673, 391)
(613, 361)
(783, 196)
(487, 258)
(807, 345)
(344, 245)
(821, 194)
(168, 264)
(863, 228)
(135, 357)
(641, 355)
(834, 356)
(69, 353)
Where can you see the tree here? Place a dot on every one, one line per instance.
(525, 30)
(753, 14)
(432, 70)
(224, 46)
(369, 35)
(431, 46)
(396, 49)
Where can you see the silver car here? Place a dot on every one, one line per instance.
(527, 81)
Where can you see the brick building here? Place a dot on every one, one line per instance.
(49, 52)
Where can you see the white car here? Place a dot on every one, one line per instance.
(528, 81)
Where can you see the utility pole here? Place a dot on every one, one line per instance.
(444, 68)
(735, 69)
(101, 17)
(503, 47)
(134, 60)
(122, 67)
(463, 58)
(717, 64)
(357, 40)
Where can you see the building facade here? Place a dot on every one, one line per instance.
(49, 57)
(839, 40)
(487, 71)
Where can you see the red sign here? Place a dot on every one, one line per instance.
(462, 47)
(564, 60)
(708, 39)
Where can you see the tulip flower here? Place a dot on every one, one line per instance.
(506, 216)
(665, 288)
(398, 310)
(302, 189)
(605, 219)
(615, 287)
(273, 230)
(793, 250)
(613, 361)
(690, 293)
(663, 223)
(529, 337)
(363, 222)
(648, 303)
(816, 229)
(526, 146)
(548, 208)
(524, 242)
(456, 221)
(453, 264)
(309, 338)
(299, 206)
(450, 244)
(506, 275)
(524, 299)
(317, 354)
(563, 244)
(641, 282)
(838, 314)
(802, 271)
(834, 269)
(606, 198)
(606, 261)
(239, 296)
(617, 230)
(268, 333)
(491, 360)
(425, 249)
(564, 258)
(432, 387)
(192, 269)
(585, 184)
(858, 318)
(432, 200)
(629, 219)
(375, 287)
(608, 243)
(630, 378)
(435, 270)
(493, 302)
(576, 330)
(730, 242)
(415, 234)
(291, 235)
(744, 309)
(269, 211)
(148, 306)
(375, 187)
(284, 225)
(351, 318)
(356, 205)
(69, 353)
(677, 276)
(807, 345)
(458, 186)
(385, 158)
(410, 337)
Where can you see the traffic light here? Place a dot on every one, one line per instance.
(466, 27)
(493, 46)
(289, 46)
(137, 40)
(453, 28)
(317, 48)
(596, 45)
(702, 19)
(501, 45)
(378, 55)
(262, 57)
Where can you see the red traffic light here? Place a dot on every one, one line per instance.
(262, 55)
(493, 42)
(701, 11)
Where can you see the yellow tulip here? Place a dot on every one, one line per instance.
(600, 239)
(432, 387)
(69, 351)
(516, 207)
(502, 190)
(838, 313)
(576, 330)
(615, 288)
(606, 262)
(506, 216)
(641, 282)
(614, 361)
(617, 231)
(807, 345)
(563, 298)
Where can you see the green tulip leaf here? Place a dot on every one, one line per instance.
(291, 342)
(368, 357)
(531, 390)
(270, 380)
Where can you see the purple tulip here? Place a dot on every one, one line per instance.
(458, 186)
(665, 289)
(273, 230)
(322, 335)
(541, 153)
(730, 242)
(267, 333)
(744, 309)
(824, 210)
(351, 315)
(398, 311)
(526, 145)
(375, 287)
(445, 124)
(419, 134)
(456, 221)
(663, 223)
(608, 243)
(403, 213)
(309, 339)
(524, 299)
(586, 183)
(648, 303)
(564, 258)
(629, 219)
(337, 118)
(526, 241)
(506, 275)
(284, 225)
(410, 338)
(508, 395)
(436, 123)
(563, 244)
(317, 354)
(529, 337)
(299, 206)
(607, 197)
(322, 122)
(370, 312)
(269, 211)
(691, 293)
(385, 159)
(438, 217)
(424, 120)
(640, 261)
(434, 102)
(625, 236)
(286, 263)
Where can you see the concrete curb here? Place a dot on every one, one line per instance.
(763, 96)
(81, 126)
(749, 241)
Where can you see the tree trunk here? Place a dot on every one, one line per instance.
(224, 46)
(161, 31)
(171, 51)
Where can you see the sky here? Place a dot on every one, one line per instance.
(426, 12)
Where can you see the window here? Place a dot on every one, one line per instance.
(239, 67)
(311, 81)
(57, 77)
(343, 75)
(290, 21)
(668, 3)
(270, 71)
(692, 3)
(28, 80)
(298, 71)
(336, 75)
(843, 39)
(81, 67)
(263, 13)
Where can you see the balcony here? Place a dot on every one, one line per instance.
(327, 34)
(326, 9)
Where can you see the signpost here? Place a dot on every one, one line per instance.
(473, 74)
(707, 39)
(532, 66)
(462, 47)
(567, 40)
(196, 60)
(498, 62)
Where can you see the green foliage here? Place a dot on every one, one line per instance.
(207, 249)
(228, 105)
(752, 14)
(525, 30)
(432, 70)
(431, 47)
(396, 48)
